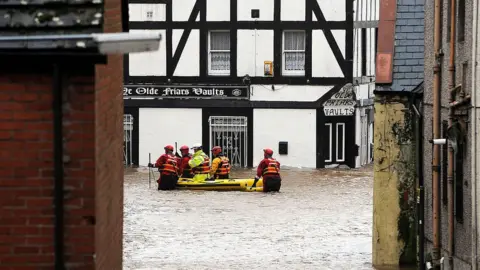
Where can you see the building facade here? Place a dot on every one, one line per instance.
(61, 174)
(397, 132)
(456, 226)
(365, 46)
(247, 75)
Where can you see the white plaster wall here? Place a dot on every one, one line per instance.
(149, 63)
(297, 127)
(333, 10)
(254, 47)
(373, 53)
(158, 126)
(358, 52)
(362, 91)
(244, 8)
(138, 12)
(188, 65)
(181, 10)
(355, 54)
(292, 10)
(324, 63)
(218, 10)
(288, 92)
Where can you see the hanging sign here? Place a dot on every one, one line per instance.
(342, 103)
(187, 91)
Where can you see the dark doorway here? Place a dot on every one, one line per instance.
(338, 140)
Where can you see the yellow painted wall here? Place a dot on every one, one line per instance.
(392, 158)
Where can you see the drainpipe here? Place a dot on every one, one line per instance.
(436, 135)
(474, 135)
(58, 166)
(451, 86)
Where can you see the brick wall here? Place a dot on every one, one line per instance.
(93, 113)
(109, 151)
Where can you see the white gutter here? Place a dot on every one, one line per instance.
(474, 136)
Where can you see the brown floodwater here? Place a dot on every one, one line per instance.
(321, 219)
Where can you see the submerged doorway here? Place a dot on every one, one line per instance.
(230, 133)
(231, 129)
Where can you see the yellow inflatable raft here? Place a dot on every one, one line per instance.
(221, 184)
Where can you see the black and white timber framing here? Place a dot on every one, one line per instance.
(246, 106)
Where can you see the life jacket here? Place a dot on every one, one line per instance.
(224, 166)
(170, 165)
(272, 167)
(203, 168)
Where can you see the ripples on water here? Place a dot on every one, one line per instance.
(321, 219)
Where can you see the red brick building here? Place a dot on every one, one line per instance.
(48, 221)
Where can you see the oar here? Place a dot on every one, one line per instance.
(254, 184)
(176, 151)
(149, 170)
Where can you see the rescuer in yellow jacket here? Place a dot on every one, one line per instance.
(220, 164)
(200, 163)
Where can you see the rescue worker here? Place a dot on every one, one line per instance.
(185, 170)
(168, 168)
(200, 163)
(269, 169)
(220, 164)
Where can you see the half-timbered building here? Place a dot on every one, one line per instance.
(248, 74)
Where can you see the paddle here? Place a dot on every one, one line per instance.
(176, 151)
(254, 183)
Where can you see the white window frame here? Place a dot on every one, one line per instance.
(292, 72)
(216, 72)
(330, 142)
(343, 142)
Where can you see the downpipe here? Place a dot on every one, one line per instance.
(451, 111)
(58, 167)
(436, 135)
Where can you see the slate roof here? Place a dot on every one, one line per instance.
(408, 61)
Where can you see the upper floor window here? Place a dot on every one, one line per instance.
(219, 53)
(294, 53)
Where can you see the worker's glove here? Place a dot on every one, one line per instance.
(256, 178)
(150, 165)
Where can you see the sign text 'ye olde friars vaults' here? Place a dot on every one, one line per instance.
(341, 103)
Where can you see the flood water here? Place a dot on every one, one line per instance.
(321, 219)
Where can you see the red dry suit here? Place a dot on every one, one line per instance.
(167, 164)
(185, 170)
(269, 169)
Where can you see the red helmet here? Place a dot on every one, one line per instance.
(268, 151)
(216, 149)
(183, 148)
(168, 147)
